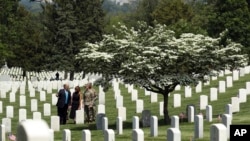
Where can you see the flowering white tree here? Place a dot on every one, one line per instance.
(153, 58)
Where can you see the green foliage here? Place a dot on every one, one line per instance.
(170, 12)
(68, 25)
(233, 15)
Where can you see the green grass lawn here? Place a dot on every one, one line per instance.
(187, 129)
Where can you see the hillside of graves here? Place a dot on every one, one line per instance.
(211, 102)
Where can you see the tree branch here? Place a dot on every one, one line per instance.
(148, 88)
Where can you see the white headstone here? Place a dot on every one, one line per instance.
(188, 91)
(176, 100)
(198, 126)
(9, 111)
(218, 132)
(42, 96)
(104, 123)
(235, 104)
(119, 101)
(12, 97)
(101, 98)
(22, 89)
(22, 100)
(190, 114)
(209, 113)
(79, 116)
(134, 95)
(137, 135)
(213, 94)
(153, 97)
(222, 86)
(66, 135)
(161, 108)
(7, 123)
(248, 87)
(51, 134)
(178, 87)
(46, 109)
(139, 106)
(229, 110)
(242, 95)
(147, 93)
(135, 122)
(22, 114)
(109, 135)
(55, 123)
(214, 78)
(175, 122)
(154, 126)
(2, 132)
(227, 121)
(229, 80)
(54, 99)
(101, 109)
(119, 125)
(37, 115)
(32, 92)
(173, 134)
(235, 75)
(203, 102)
(26, 131)
(1, 107)
(33, 105)
(221, 73)
(198, 88)
(242, 72)
(122, 113)
(227, 71)
(86, 135)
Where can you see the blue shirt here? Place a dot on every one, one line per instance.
(66, 97)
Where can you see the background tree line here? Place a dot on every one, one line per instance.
(49, 38)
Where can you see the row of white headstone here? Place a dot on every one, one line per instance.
(26, 130)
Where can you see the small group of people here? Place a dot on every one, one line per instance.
(76, 101)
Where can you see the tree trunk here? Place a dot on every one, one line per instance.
(165, 108)
(71, 75)
(65, 74)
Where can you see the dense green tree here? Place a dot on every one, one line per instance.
(7, 18)
(143, 12)
(68, 25)
(153, 58)
(180, 16)
(27, 49)
(170, 12)
(233, 15)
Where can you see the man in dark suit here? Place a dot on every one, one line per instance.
(63, 102)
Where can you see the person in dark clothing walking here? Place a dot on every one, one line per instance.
(76, 102)
(63, 103)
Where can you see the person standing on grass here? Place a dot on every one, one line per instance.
(76, 100)
(89, 98)
(63, 103)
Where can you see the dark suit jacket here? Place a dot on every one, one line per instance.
(62, 98)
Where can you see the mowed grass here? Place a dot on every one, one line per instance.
(187, 129)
